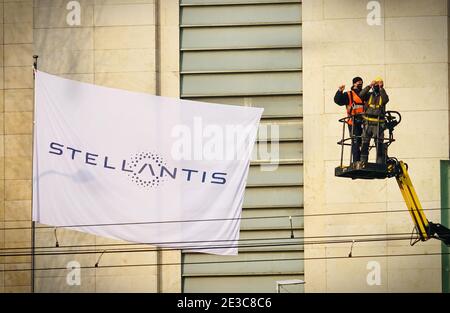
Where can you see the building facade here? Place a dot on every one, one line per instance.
(287, 56)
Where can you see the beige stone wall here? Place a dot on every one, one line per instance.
(169, 85)
(410, 51)
(16, 83)
(127, 44)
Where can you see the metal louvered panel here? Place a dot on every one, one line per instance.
(248, 53)
(248, 14)
(240, 60)
(240, 37)
(287, 106)
(255, 282)
(237, 267)
(234, 2)
(240, 83)
(289, 174)
(271, 196)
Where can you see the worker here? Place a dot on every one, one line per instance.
(375, 99)
(355, 109)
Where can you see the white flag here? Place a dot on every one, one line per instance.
(140, 168)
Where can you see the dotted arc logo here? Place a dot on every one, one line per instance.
(143, 166)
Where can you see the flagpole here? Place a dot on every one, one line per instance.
(33, 223)
(157, 9)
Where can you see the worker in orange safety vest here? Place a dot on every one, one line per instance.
(355, 109)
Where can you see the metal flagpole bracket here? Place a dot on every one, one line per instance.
(35, 65)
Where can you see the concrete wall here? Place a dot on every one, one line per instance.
(410, 51)
(127, 44)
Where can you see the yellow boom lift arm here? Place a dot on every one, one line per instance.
(425, 228)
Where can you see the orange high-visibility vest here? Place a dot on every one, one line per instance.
(355, 105)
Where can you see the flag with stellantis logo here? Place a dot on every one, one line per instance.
(140, 168)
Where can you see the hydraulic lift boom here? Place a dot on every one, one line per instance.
(425, 229)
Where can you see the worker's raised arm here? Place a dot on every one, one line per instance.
(384, 96)
(341, 97)
(365, 94)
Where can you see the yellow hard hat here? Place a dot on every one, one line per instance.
(378, 79)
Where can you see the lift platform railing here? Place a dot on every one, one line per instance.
(387, 122)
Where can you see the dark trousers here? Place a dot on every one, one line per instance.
(356, 131)
(376, 131)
